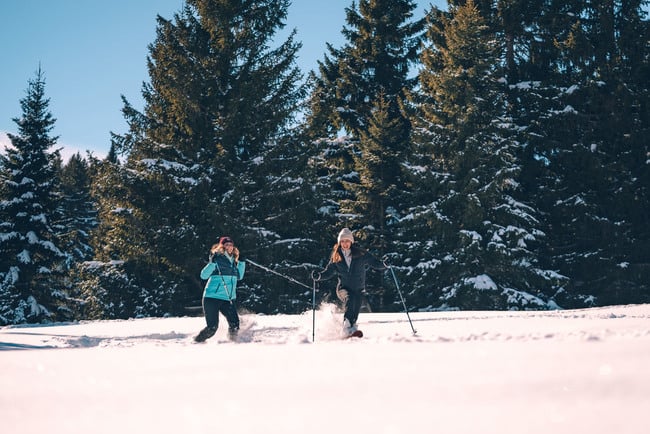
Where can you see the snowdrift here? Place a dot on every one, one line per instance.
(573, 371)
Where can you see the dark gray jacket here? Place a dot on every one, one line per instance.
(352, 277)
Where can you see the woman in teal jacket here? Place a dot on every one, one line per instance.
(222, 273)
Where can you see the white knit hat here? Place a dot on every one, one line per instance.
(346, 234)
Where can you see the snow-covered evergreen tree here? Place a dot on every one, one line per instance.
(370, 72)
(589, 155)
(357, 92)
(78, 214)
(30, 258)
(218, 98)
(480, 250)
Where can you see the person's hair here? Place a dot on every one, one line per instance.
(336, 255)
(219, 248)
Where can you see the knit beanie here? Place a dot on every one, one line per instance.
(346, 234)
(224, 240)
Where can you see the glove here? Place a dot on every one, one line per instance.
(210, 257)
(386, 264)
(315, 275)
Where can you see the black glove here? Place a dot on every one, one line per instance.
(315, 275)
(210, 257)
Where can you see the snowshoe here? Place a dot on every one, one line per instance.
(205, 334)
(355, 334)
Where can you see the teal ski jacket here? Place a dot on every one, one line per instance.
(222, 275)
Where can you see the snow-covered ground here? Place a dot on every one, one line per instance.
(572, 371)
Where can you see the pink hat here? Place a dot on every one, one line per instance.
(224, 240)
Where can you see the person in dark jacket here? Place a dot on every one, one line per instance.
(350, 263)
(222, 273)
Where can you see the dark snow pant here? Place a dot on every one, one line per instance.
(352, 305)
(211, 309)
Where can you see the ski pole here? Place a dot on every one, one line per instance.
(313, 288)
(313, 313)
(276, 273)
(402, 298)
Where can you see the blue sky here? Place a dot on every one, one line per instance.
(93, 51)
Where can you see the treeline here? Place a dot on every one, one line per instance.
(496, 153)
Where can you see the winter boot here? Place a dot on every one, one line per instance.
(348, 328)
(232, 333)
(205, 334)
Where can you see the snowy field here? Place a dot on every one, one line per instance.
(572, 371)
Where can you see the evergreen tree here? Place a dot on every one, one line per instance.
(588, 142)
(286, 221)
(375, 186)
(30, 259)
(482, 234)
(112, 288)
(218, 99)
(76, 219)
(358, 92)
(382, 46)
(538, 75)
(77, 210)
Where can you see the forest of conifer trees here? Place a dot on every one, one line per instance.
(495, 154)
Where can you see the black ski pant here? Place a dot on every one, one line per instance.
(211, 309)
(352, 305)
